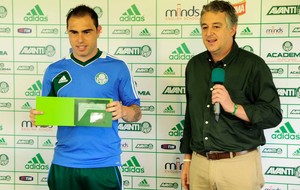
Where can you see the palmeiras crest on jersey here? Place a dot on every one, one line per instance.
(101, 78)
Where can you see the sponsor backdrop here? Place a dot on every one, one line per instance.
(156, 38)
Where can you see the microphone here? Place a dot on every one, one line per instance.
(217, 77)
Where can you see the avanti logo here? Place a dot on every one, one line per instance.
(144, 146)
(174, 90)
(38, 50)
(144, 183)
(144, 127)
(169, 185)
(284, 10)
(5, 177)
(37, 163)
(25, 141)
(49, 31)
(289, 92)
(286, 132)
(35, 89)
(144, 51)
(181, 53)
(36, 14)
(170, 31)
(169, 109)
(5, 30)
(132, 166)
(272, 150)
(283, 171)
(169, 71)
(177, 131)
(149, 70)
(147, 108)
(5, 105)
(121, 31)
(132, 14)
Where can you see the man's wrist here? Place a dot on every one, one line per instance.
(235, 107)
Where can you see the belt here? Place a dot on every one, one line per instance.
(217, 155)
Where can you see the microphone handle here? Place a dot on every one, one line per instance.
(217, 111)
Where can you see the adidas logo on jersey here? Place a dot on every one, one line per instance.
(63, 79)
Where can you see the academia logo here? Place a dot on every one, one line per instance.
(169, 185)
(195, 32)
(295, 71)
(174, 90)
(177, 131)
(36, 14)
(26, 106)
(283, 171)
(180, 13)
(132, 14)
(144, 51)
(145, 32)
(4, 159)
(181, 53)
(169, 71)
(38, 50)
(34, 89)
(37, 163)
(4, 87)
(169, 109)
(286, 132)
(289, 92)
(284, 10)
(3, 68)
(132, 166)
(3, 12)
(144, 127)
(3, 53)
(246, 32)
(144, 183)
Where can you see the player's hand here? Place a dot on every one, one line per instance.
(116, 109)
(32, 115)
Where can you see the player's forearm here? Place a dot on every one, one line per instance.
(132, 113)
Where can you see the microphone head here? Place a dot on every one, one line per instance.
(218, 75)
